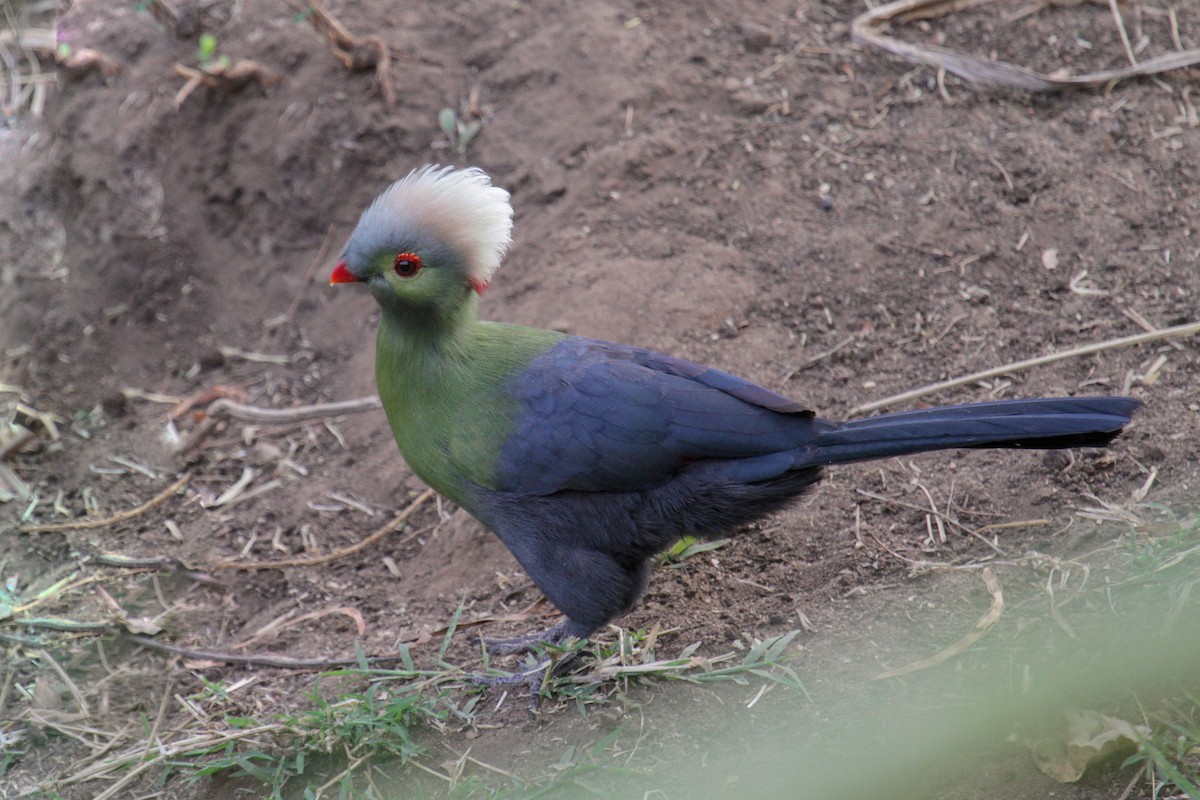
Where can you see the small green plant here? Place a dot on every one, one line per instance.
(9, 752)
(206, 52)
(1163, 559)
(208, 47)
(458, 132)
(339, 743)
(690, 546)
(1171, 755)
(377, 722)
(45, 794)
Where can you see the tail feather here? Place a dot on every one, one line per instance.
(1040, 424)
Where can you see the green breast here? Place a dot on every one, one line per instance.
(445, 397)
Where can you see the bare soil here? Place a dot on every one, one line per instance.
(733, 183)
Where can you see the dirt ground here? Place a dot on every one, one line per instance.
(734, 183)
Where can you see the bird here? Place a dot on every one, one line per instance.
(589, 458)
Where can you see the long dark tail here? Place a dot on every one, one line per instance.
(1040, 424)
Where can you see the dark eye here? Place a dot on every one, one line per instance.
(407, 264)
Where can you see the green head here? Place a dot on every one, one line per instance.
(429, 243)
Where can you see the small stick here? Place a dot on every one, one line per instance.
(354, 52)
(938, 514)
(791, 373)
(203, 397)
(308, 561)
(12, 481)
(84, 60)
(1174, 21)
(984, 625)
(467, 757)
(163, 704)
(869, 29)
(1055, 614)
(84, 708)
(279, 662)
(229, 77)
(133, 392)
(117, 788)
(1188, 329)
(1116, 12)
(228, 408)
(169, 750)
(259, 358)
(1146, 325)
(10, 677)
(124, 516)
(10, 447)
(347, 772)
(1003, 173)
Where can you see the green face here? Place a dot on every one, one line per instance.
(411, 284)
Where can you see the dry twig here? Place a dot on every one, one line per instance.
(308, 561)
(278, 662)
(791, 373)
(74, 62)
(225, 408)
(229, 77)
(946, 517)
(21, 437)
(1189, 329)
(982, 627)
(124, 516)
(83, 61)
(356, 53)
(868, 29)
(165, 750)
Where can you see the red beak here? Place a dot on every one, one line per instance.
(342, 275)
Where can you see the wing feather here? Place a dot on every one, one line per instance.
(595, 416)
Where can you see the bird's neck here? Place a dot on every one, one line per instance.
(424, 337)
(445, 388)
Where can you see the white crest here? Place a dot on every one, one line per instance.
(460, 206)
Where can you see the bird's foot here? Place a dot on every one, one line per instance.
(535, 678)
(529, 642)
(564, 650)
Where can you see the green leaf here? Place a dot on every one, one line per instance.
(776, 646)
(690, 546)
(450, 630)
(405, 657)
(208, 47)
(469, 131)
(448, 122)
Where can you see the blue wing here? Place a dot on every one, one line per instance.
(595, 416)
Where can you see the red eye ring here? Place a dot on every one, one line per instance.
(407, 264)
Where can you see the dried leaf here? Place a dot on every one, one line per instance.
(1088, 738)
(142, 625)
